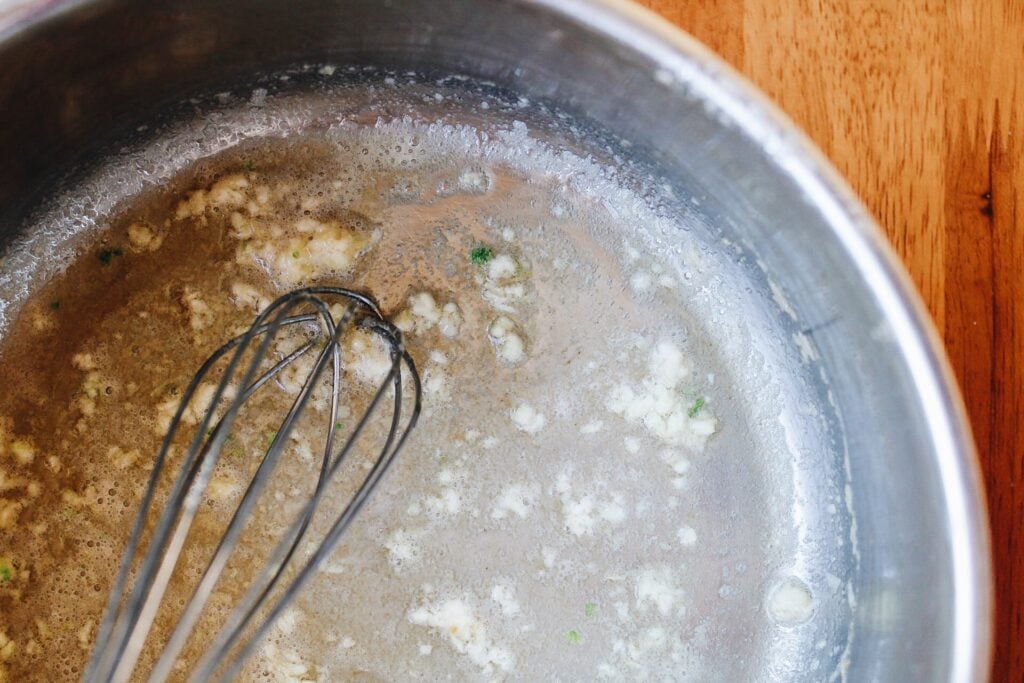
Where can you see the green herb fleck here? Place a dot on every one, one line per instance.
(695, 408)
(6, 570)
(337, 426)
(295, 254)
(271, 435)
(574, 637)
(248, 166)
(443, 458)
(481, 255)
(55, 305)
(591, 609)
(69, 514)
(107, 255)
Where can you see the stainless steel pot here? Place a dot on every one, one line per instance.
(75, 77)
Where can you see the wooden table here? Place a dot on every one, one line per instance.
(920, 104)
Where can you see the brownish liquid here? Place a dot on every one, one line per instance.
(122, 307)
(126, 311)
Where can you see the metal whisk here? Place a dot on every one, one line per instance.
(134, 604)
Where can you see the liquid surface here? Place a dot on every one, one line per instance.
(592, 491)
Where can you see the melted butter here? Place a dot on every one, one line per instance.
(147, 317)
(131, 310)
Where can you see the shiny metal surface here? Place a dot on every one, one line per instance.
(79, 76)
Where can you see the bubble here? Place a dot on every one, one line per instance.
(790, 602)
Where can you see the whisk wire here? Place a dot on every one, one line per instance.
(110, 639)
(166, 547)
(229, 540)
(238, 621)
(128, 620)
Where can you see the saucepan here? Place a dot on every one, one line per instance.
(877, 517)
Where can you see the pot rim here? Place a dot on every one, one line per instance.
(684, 62)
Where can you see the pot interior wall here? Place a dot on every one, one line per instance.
(80, 84)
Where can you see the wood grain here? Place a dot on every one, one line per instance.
(919, 104)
